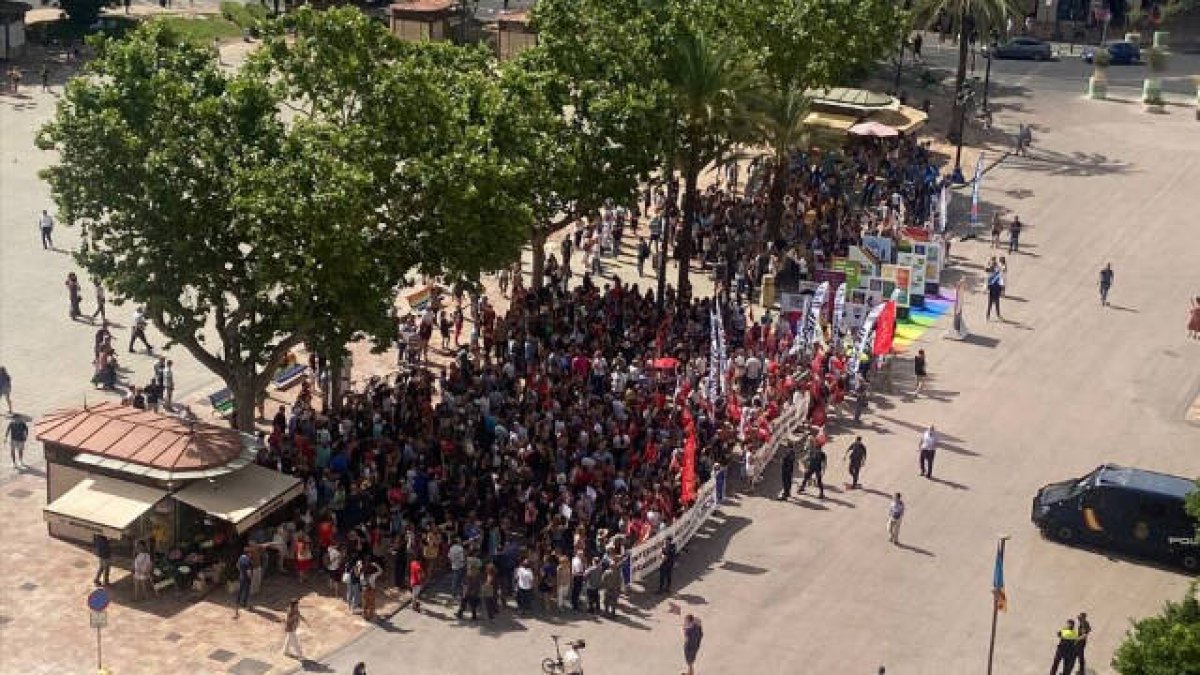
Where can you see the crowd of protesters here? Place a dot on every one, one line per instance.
(529, 464)
(550, 439)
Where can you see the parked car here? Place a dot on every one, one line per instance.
(1023, 48)
(1122, 53)
(1132, 510)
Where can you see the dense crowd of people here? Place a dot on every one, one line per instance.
(552, 440)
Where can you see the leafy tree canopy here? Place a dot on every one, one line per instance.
(283, 202)
(1166, 644)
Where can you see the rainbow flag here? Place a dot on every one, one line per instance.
(418, 300)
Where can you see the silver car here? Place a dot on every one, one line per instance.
(1023, 48)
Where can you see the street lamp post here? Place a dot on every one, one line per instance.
(987, 78)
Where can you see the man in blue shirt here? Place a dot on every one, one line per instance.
(244, 567)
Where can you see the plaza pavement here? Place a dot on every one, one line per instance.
(804, 586)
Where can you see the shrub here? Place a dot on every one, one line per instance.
(1102, 59)
(1156, 59)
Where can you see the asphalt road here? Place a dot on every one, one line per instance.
(1061, 387)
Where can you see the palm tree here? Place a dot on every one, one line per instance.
(970, 16)
(711, 85)
(779, 116)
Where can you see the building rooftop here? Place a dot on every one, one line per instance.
(141, 437)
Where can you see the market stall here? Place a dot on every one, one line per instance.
(191, 491)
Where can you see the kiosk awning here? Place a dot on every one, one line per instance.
(103, 505)
(243, 497)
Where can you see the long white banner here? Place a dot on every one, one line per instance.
(645, 558)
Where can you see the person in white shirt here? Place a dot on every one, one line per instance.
(927, 447)
(46, 225)
(143, 572)
(524, 579)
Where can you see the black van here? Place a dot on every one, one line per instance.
(1135, 511)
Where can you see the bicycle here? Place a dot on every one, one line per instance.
(569, 663)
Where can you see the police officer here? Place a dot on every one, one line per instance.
(814, 467)
(1064, 653)
(787, 468)
(856, 454)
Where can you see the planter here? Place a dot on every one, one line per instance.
(1152, 94)
(1097, 87)
(1160, 39)
(1135, 38)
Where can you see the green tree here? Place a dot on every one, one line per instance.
(284, 202)
(976, 17)
(813, 44)
(711, 86)
(590, 101)
(568, 162)
(1166, 644)
(779, 124)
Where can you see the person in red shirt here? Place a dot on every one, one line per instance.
(416, 579)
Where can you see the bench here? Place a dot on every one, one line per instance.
(289, 376)
(221, 402)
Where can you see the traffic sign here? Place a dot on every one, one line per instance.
(98, 600)
(99, 620)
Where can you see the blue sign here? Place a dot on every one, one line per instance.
(98, 600)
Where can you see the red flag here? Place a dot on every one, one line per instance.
(885, 329)
(688, 492)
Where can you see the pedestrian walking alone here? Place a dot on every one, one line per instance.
(997, 228)
(45, 77)
(994, 290)
(244, 569)
(138, 331)
(927, 447)
(1014, 235)
(73, 295)
(895, 517)
(787, 469)
(291, 631)
(693, 633)
(16, 433)
(100, 301)
(1106, 281)
(919, 370)
(46, 225)
(102, 547)
(856, 455)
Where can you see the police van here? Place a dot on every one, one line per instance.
(1130, 510)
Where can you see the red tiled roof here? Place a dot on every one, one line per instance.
(140, 437)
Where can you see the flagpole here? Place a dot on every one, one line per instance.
(995, 613)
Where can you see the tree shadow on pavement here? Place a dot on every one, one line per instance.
(1056, 163)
